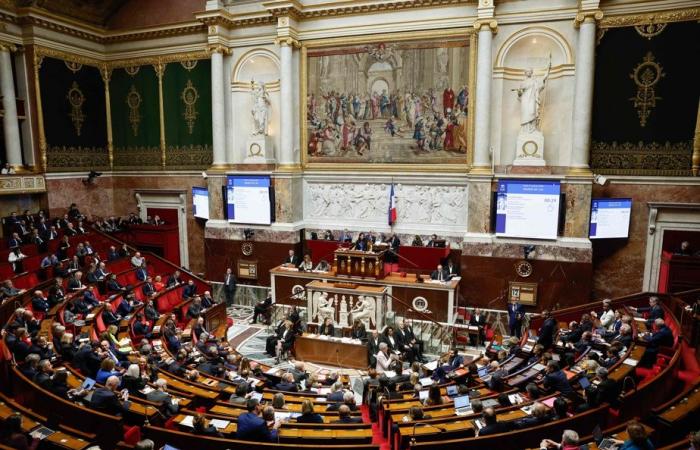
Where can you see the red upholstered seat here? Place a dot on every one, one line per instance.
(100, 324)
(132, 435)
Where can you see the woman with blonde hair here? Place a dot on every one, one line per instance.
(308, 415)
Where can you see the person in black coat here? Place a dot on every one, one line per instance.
(229, 287)
(477, 319)
(190, 290)
(548, 330)
(261, 308)
(555, 379)
(492, 425)
(661, 337)
(109, 317)
(373, 347)
(358, 330)
(654, 310)
(105, 399)
(327, 328)
(308, 415)
(345, 417)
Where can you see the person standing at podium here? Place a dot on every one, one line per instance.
(478, 320)
(439, 274)
(361, 243)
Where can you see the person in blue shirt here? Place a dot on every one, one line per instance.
(638, 439)
(106, 371)
(252, 427)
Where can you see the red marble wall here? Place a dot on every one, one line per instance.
(144, 13)
(95, 199)
(618, 264)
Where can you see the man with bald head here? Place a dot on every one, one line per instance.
(109, 400)
(344, 416)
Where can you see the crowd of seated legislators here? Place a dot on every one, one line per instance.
(114, 224)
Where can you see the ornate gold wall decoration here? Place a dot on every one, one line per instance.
(132, 70)
(189, 97)
(133, 101)
(76, 99)
(189, 64)
(650, 30)
(73, 66)
(646, 75)
(642, 158)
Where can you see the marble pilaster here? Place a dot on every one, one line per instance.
(479, 205)
(218, 119)
(583, 92)
(286, 151)
(482, 125)
(10, 121)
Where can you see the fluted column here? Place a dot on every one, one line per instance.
(218, 117)
(10, 122)
(286, 153)
(482, 125)
(583, 92)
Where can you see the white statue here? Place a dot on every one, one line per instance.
(325, 308)
(261, 106)
(530, 96)
(362, 311)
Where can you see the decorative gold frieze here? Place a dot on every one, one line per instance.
(650, 30)
(582, 16)
(133, 101)
(642, 158)
(189, 64)
(218, 48)
(679, 15)
(646, 75)
(73, 66)
(21, 184)
(76, 98)
(132, 70)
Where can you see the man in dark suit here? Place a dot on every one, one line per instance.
(624, 337)
(148, 289)
(344, 416)
(654, 310)
(547, 331)
(75, 282)
(538, 416)
(292, 260)
(516, 313)
(433, 241)
(39, 303)
(251, 427)
(661, 337)
(477, 319)
(174, 279)
(142, 272)
(373, 347)
(109, 317)
(287, 384)
(261, 307)
(452, 270)
(15, 241)
(555, 379)
(492, 425)
(190, 290)
(160, 396)
(105, 399)
(439, 274)
(229, 287)
(608, 390)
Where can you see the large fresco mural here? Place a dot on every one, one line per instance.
(388, 102)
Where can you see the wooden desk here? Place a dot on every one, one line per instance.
(439, 297)
(682, 409)
(332, 352)
(215, 316)
(59, 438)
(356, 263)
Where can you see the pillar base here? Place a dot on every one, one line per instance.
(579, 172)
(481, 170)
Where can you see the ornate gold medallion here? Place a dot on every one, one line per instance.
(189, 64)
(73, 66)
(650, 30)
(247, 248)
(523, 268)
(76, 99)
(133, 100)
(132, 70)
(646, 75)
(189, 97)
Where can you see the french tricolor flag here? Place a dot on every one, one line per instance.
(392, 206)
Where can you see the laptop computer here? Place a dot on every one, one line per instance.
(452, 390)
(422, 395)
(483, 371)
(41, 433)
(462, 405)
(583, 381)
(601, 442)
(88, 384)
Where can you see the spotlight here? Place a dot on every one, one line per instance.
(601, 180)
(527, 250)
(91, 177)
(248, 233)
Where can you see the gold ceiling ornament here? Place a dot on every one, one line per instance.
(678, 15)
(132, 70)
(76, 99)
(189, 64)
(650, 30)
(646, 75)
(73, 66)
(133, 101)
(189, 97)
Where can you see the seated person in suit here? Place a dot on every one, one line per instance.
(492, 425)
(105, 399)
(195, 308)
(361, 243)
(113, 286)
(345, 417)
(433, 241)
(569, 441)
(439, 274)
(358, 330)
(190, 290)
(308, 415)
(661, 337)
(39, 303)
(207, 300)
(174, 279)
(252, 427)
(327, 328)
(161, 396)
(287, 384)
(106, 371)
(555, 379)
(128, 304)
(654, 310)
(291, 260)
(348, 400)
(261, 307)
(538, 416)
(109, 317)
(307, 264)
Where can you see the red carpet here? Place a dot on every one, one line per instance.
(378, 438)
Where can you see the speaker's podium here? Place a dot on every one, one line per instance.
(356, 263)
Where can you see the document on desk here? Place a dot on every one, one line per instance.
(188, 421)
(222, 424)
(630, 362)
(389, 373)
(432, 365)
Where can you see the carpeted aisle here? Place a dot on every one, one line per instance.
(377, 438)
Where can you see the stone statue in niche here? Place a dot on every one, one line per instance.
(530, 141)
(325, 308)
(363, 310)
(261, 106)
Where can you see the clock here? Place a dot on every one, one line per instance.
(247, 248)
(523, 268)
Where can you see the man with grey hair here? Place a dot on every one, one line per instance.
(654, 310)
(161, 396)
(608, 390)
(348, 400)
(105, 398)
(384, 358)
(662, 336)
(145, 444)
(569, 441)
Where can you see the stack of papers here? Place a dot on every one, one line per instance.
(221, 424)
(630, 362)
(188, 421)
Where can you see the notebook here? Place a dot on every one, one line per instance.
(41, 433)
(462, 405)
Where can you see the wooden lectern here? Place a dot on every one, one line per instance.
(355, 263)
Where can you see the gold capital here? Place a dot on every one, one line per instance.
(288, 41)
(491, 23)
(7, 47)
(583, 16)
(218, 48)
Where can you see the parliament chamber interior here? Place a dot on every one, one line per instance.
(359, 224)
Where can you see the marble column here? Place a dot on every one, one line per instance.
(482, 125)
(229, 111)
(218, 116)
(583, 93)
(286, 152)
(10, 122)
